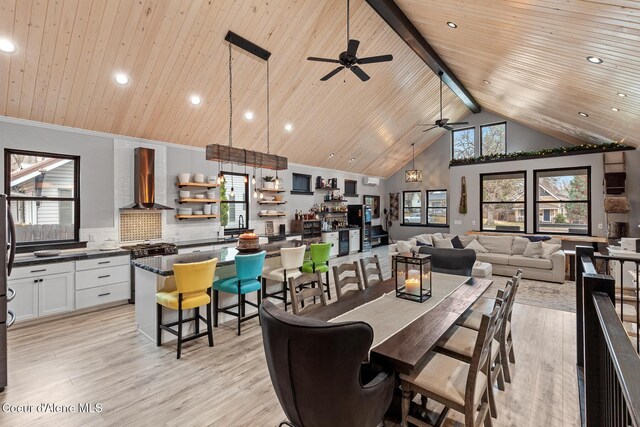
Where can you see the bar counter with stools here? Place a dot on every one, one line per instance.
(291, 260)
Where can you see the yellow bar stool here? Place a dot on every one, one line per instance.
(193, 283)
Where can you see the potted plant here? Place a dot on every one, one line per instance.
(269, 182)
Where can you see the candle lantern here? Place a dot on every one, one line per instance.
(413, 276)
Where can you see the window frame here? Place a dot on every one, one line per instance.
(588, 201)
(75, 199)
(404, 197)
(453, 141)
(482, 202)
(446, 209)
(505, 135)
(308, 191)
(231, 231)
(355, 183)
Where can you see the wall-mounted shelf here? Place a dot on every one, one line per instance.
(195, 200)
(271, 190)
(271, 202)
(328, 188)
(334, 201)
(196, 184)
(212, 216)
(272, 214)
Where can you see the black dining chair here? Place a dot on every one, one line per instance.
(318, 373)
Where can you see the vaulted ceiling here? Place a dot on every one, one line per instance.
(68, 51)
(533, 53)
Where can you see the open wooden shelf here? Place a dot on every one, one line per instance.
(272, 190)
(194, 200)
(273, 215)
(196, 184)
(271, 202)
(212, 216)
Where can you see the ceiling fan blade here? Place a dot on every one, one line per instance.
(333, 73)
(458, 123)
(431, 128)
(360, 73)
(313, 58)
(352, 47)
(447, 127)
(374, 59)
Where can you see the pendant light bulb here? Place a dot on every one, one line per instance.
(261, 195)
(253, 180)
(277, 183)
(219, 180)
(255, 193)
(246, 179)
(232, 193)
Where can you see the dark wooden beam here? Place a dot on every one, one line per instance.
(396, 19)
(248, 46)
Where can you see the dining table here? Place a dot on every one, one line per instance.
(403, 349)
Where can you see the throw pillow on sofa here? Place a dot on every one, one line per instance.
(466, 240)
(476, 246)
(442, 243)
(519, 245)
(549, 249)
(497, 244)
(456, 242)
(424, 238)
(403, 246)
(538, 238)
(533, 250)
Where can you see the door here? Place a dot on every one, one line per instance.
(56, 294)
(25, 303)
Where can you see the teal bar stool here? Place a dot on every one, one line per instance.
(319, 262)
(247, 280)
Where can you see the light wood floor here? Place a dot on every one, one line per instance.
(100, 358)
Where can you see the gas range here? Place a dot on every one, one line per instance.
(142, 250)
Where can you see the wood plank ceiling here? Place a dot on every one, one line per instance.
(69, 50)
(533, 53)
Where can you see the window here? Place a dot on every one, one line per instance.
(463, 143)
(437, 207)
(301, 183)
(503, 203)
(563, 202)
(234, 211)
(412, 207)
(44, 196)
(493, 139)
(350, 188)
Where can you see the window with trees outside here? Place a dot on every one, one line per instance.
(234, 210)
(563, 202)
(44, 196)
(411, 207)
(504, 203)
(463, 143)
(493, 139)
(437, 207)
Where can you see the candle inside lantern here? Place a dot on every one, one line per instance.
(412, 286)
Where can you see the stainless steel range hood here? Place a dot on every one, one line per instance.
(144, 182)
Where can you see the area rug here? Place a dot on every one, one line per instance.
(556, 296)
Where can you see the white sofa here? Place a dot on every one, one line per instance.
(504, 257)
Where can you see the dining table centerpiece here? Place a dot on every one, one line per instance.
(412, 273)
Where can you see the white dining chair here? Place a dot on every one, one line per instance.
(291, 260)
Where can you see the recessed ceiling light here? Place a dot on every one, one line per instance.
(122, 78)
(195, 100)
(452, 24)
(248, 115)
(353, 159)
(332, 154)
(487, 82)
(583, 114)
(7, 46)
(594, 60)
(288, 127)
(622, 95)
(615, 109)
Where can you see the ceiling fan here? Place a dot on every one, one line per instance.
(442, 122)
(349, 58)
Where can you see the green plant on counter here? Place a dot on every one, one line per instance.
(269, 178)
(224, 207)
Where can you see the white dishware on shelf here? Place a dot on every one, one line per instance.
(198, 212)
(185, 194)
(263, 212)
(199, 196)
(207, 209)
(272, 212)
(199, 178)
(212, 179)
(211, 194)
(184, 177)
(268, 198)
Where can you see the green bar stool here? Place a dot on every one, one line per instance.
(319, 262)
(246, 280)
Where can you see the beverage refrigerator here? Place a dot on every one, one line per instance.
(360, 215)
(8, 231)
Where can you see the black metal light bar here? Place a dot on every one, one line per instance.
(246, 45)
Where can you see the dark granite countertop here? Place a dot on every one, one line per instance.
(163, 265)
(204, 242)
(25, 260)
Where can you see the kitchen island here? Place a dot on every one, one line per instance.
(154, 274)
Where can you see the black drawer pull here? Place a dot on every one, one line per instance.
(105, 294)
(39, 271)
(104, 277)
(104, 262)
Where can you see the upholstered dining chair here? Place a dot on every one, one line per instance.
(317, 371)
(319, 262)
(301, 294)
(193, 283)
(247, 280)
(461, 386)
(344, 275)
(371, 271)
(291, 260)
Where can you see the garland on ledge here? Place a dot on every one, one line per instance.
(551, 152)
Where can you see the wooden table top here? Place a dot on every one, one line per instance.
(405, 350)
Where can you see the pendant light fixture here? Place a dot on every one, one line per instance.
(232, 193)
(413, 174)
